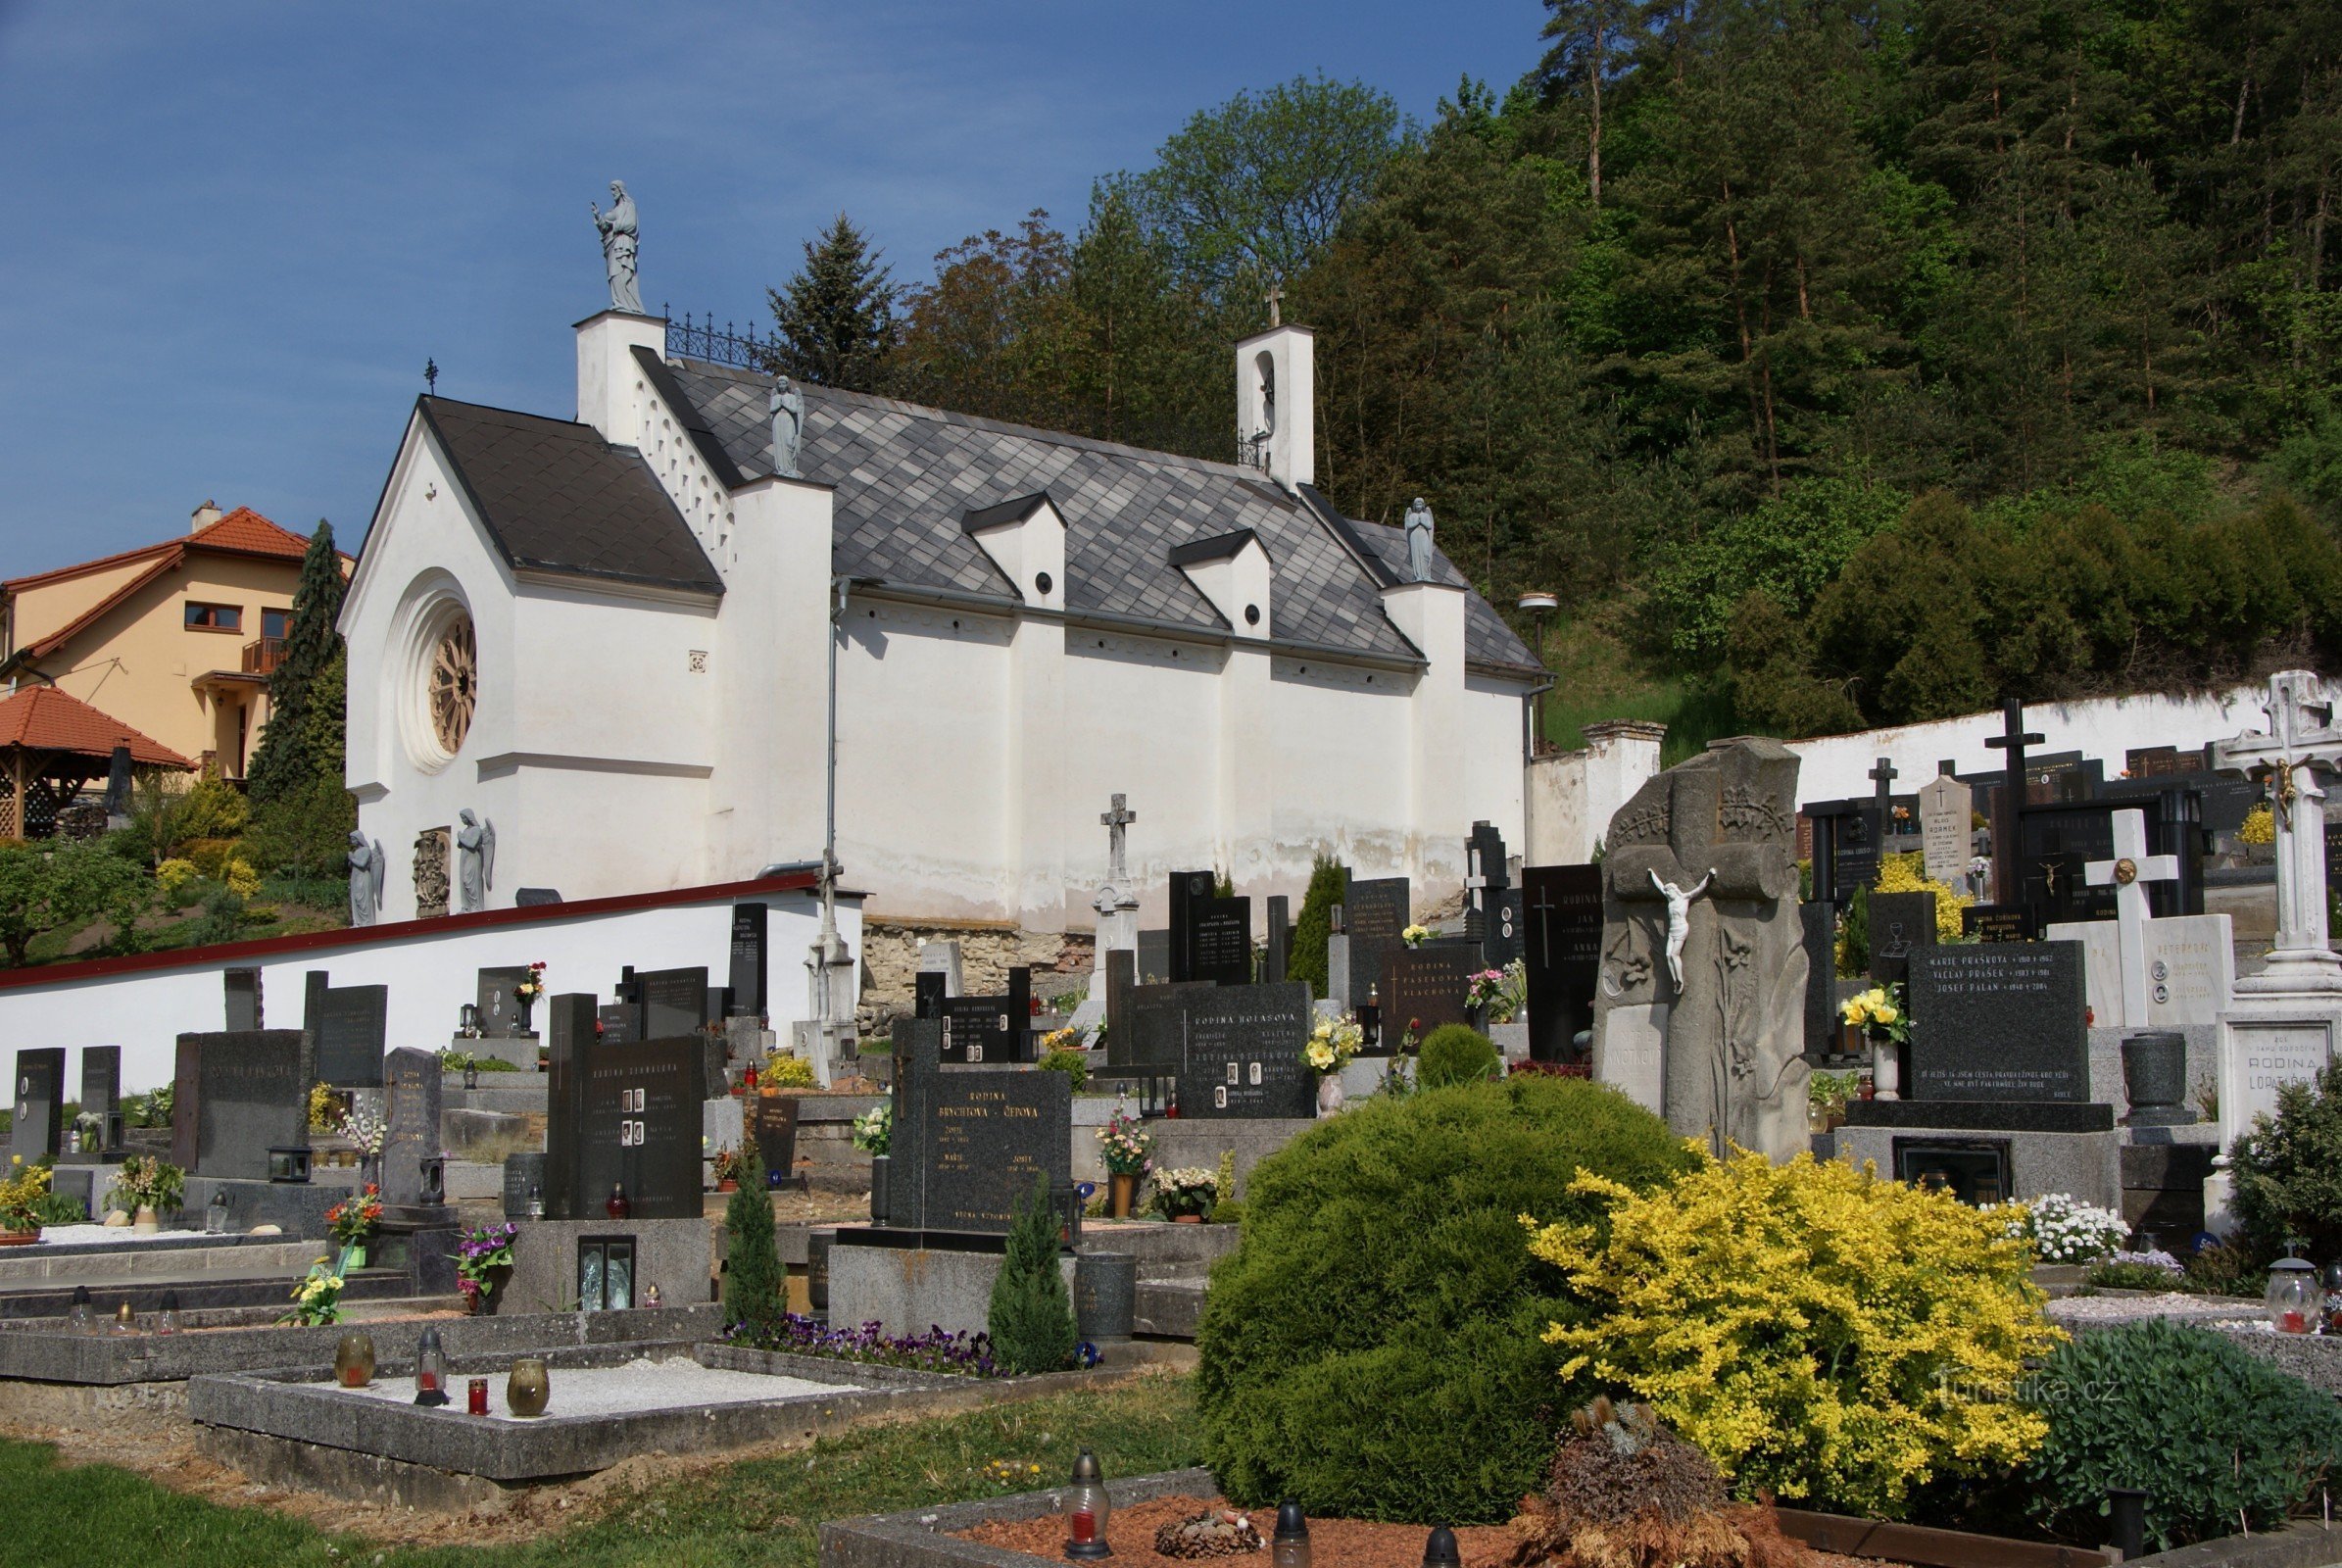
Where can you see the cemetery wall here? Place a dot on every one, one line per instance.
(431, 969)
(1837, 767)
(987, 951)
(1571, 796)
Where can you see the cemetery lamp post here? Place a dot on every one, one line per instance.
(1086, 1512)
(1536, 603)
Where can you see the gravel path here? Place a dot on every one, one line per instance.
(2104, 1310)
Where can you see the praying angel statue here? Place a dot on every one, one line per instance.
(1679, 921)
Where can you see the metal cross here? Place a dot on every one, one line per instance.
(431, 374)
(2128, 873)
(1544, 905)
(2008, 847)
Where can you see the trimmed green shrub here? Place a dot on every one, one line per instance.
(1031, 1316)
(1328, 885)
(752, 1268)
(2289, 1169)
(1456, 1053)
(1074, 1064)
(1374, 1348)
(2208, 1430)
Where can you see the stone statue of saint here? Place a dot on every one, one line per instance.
(1679, 920)
(787, 406)
(475, 861)
(618, 237)
(366, 879)
(1419, 542)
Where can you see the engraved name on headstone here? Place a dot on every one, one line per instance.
(1999, 1022)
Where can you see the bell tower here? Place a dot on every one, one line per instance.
(1276, 428)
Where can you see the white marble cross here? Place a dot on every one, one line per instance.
(2287, 758)
(2128, 873)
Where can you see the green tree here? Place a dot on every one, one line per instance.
(1031, 1316)
(1328, 885)
(836, 316)
(302, 741)
(1592, 40)
(753, 1264)
(58, 887)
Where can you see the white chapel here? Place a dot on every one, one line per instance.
(611, 639)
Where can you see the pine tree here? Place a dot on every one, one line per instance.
(1031, 1319)
(1328, 885)
(836, 317)
(752, 1267)
(297, 750)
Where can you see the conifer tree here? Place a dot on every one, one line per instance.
(298, 750)
(752, 1266)
(1328, 884)
(1030, 1318)
(836, 317)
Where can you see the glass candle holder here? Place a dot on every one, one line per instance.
(1289, 1546)
(1086, 1509)
(529, 1387)
(2293, 1298)
(431, 1370)
(475, 1396)
(354, 1360)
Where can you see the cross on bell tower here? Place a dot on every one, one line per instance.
(1276, 299)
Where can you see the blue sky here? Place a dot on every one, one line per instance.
(239, 231)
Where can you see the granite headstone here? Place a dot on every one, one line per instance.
(498, 1004)
(970, 1144)
(749, 975)
(236, 1095)
(1241, 1052)
(1374, 912)
(101, 1092)
(38, 1130)
(242, 989)
(351, 1025)
(1424, 988)
(1154, 957)
(639, 1131)
(991, 1029)
(1999, 1022)
(1899, 922)
(1279, 942)
(674, 1002)
(411, 1091)
(1562, 907)
(1220, 940)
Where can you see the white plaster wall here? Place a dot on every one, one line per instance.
(430, 976)
(1142, 716)
(1495, 779)
(1574, 795)
(1837, 767)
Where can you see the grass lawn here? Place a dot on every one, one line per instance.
(759, 1510)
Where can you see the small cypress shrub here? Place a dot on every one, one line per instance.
(753, 1270)
(1031, 1318)
(1456, 1053)
(2289, 1169)
(1328, 885)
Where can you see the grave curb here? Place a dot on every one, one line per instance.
(2304, 1543)
(921, 1538)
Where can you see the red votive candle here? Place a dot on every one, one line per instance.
(2295, 1322)
(477, 1397)
(1085, 1527)
(425, 1382)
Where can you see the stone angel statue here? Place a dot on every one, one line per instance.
(618, 239)
(366, 879)
(476, 855)
(1679, 921)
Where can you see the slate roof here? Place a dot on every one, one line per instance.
(907, 477)
(42, 718)
(558, 497)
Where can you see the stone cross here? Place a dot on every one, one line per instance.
(1116, 821)
(2128, 873)
(1276, 299)
(2301, 741)
(2008, 842)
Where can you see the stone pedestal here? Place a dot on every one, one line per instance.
(908, 1289)
(2050, 1146)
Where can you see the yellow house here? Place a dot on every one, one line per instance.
(175, 640)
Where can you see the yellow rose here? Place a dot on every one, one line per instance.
(1888, 1015)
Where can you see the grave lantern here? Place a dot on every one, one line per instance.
(431, 1370)
(81, 1316)
(125, 1319)
(1086, 1512)
(166, 1316)
(289, 1164)
(536, 1202)
(1440, 1552)
(2293, 1296)
(1289, 1546)
(214, 1213)
(617, 1207)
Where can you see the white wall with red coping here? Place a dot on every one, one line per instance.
(145, 1003)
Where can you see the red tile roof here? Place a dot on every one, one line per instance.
(247, 532)
(42, 718)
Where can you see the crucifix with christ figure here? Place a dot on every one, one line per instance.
(2299, 743)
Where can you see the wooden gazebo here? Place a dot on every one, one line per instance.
(52, 745)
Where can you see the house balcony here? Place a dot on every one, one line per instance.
(262, 655)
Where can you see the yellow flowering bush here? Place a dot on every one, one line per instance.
(784, 1070)
(174, 874)
(241, 880)
(2260, 827)
(1908, 873)
(21, 1195)
(1823, 1334)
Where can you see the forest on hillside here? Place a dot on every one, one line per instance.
(1836, 363)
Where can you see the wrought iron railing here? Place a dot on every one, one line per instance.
(687, 339)
(1253, 450)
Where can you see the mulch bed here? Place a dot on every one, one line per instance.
(1347, 1543)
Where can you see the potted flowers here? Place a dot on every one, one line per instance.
(1186, 1195)
(1496, 995)
(1127, 1148)
(526, 992)
(1879, 1013)
(1333, 1042)
(316, 1299)
(365, 1130)
(352, 1221)
(19, 1202)
(1415, 936)
(873, 1135)
(484, 1266)
(148, 1187)
(728, 1165)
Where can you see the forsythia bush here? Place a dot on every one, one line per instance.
(1907, 873)
(1822, 1333)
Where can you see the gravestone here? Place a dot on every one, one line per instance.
(674, 1002)
(1280, 943)
(1373, 913)
(1153, 1033)
(1493, 905)
(1854, 860)
(624, 1115)
(1118, 975)
(1220, 940)
(349, 1026)
(1188, 893)
(769, 1122)
(1154, 957)
(497, 1008)
(969, 1142)
(524, 1178)
(991, 1029)
(1817, 930)
(1899, 922)
(2190, 969)
(101, 1092)
(748, 975)
(1424, 988)
(941, 958)
(1997, 923)
(1999, 1023)
(619, 1023)
(242, 987)
(38, 1131)
(1242, 1054)
(411, 1089)
(1502, 943)
(236, 1095)
(1562, 952)
(930, 989)
(1945, 806)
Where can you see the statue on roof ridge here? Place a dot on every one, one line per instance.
(619, 239)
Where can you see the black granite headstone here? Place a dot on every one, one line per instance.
(1243, 1052)
(1153, 1036)
(1999, 1022)
(991, 1029)
(1280, 943)
(1997, 923)
(970, 1144)
(747, 974)
(1220, 940)
(1154, 957)
(351, 1026)
(242, 987)
(620, 1023)
(1426, 986)
(101, 1092)
(1374, 912)
(1488, 877)
(1118, 974)
(930, 989)
(639, 1131)
(1562, 910)
(38, 1131)
(498, 1003)
(769, 1122)
(674, 1002)
(1188, 892)
(411, 1091)
(1899, 922)
(236, 1095)
(1817, 930)
(1500, 941)
(524, 1178)
(1855, 850)
(573, 1036)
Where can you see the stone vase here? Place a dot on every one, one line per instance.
(880, 1166)
(1329, 1095)
(1887, 1070)
(494, 1282)
(2155, 1079)
(1124, 1186)
(146, 1222)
